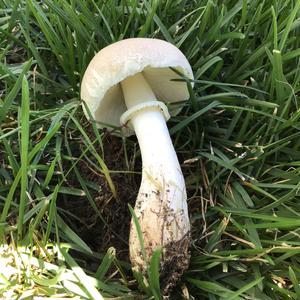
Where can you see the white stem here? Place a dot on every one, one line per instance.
(161, 206)
(136, 90)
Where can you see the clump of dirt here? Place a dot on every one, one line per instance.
(173, 268)
(113, 229)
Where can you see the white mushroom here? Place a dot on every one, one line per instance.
(126, 84)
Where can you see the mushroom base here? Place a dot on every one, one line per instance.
(175, 259)
(161, 211)
(163, 219)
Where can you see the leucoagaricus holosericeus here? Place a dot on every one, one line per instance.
(126, 84)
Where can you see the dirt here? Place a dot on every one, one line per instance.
(115, 212)
(179, 262)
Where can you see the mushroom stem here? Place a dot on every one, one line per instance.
(161, 206)
(136, 90)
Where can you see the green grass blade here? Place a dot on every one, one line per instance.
(14, 91)
(80, 274)
(24, 152)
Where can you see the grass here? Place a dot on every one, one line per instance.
(237, 138)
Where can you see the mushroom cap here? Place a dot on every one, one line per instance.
(100, 87)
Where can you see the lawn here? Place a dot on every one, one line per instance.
(66, 187)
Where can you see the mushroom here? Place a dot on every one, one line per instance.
(126, 84)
